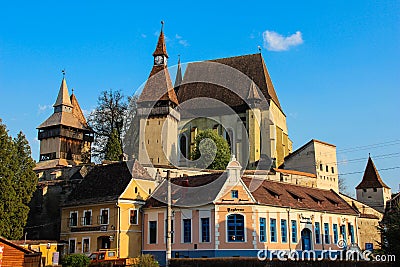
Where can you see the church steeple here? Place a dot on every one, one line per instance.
(160, 54)
(178, 78)
(158, 87)
(63, 102)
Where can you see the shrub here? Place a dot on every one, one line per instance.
(76, 260)
(146, 260)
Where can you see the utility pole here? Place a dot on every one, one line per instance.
(169, 217)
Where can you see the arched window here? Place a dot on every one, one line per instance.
(182, 145)
(235, 228)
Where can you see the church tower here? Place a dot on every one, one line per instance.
(372, 190)
(65, 137)
(158, 117)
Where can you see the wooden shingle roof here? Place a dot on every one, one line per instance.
(161, 48)
(198, 78)
(158, 86)
(371, 178)
(63, 95)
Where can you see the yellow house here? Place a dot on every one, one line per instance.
(103, 211)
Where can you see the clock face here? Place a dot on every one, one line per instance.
(158, 60)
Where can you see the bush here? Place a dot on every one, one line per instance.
(146, 260)
(76, 260)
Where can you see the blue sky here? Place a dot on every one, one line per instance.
(338, 82)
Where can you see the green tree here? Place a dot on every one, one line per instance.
(105, 118)
(17, 183)
(391, 231)
(113, 147)
(211, 151)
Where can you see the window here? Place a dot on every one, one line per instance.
(294, 231)
(273, 230)
(317, 233)
(187, 230)
(153, 232)
(333, 170)
(235, 194)
(335, 233)
(87, 217)
(205, 229)
(85, 245)
(72, 246)
(136, 190)
(133, 216)
(351, 232)
(327, 168)
(375, 190)
(235, 223)
(364, 190)
(284, 231)
(104, 216)
(262, 230)
(343, 232)
(320, 167)
(326, 233)
(73, 218)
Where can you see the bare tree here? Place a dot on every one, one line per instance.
(108, 116)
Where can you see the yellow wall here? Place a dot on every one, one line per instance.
(125, 236)
(47, 254)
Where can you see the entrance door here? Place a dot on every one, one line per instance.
(103, 242)
(306, 239)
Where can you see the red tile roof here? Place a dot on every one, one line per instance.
(299, 197)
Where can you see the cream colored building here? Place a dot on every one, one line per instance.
(318, 158)
(368, 224)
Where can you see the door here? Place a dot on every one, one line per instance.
(103, 242)
(306, 239)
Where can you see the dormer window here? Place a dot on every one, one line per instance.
(333, 202)
(272, 192)
(235, 194)
(295, 196)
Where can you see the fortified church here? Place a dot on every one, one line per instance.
(269, 196)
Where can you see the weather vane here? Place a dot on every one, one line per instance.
(63, 73)
(259, 49)
(162, 25)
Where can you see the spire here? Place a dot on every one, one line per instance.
(159, 85)
(253, 93)
(161, 49)
(63, 95)
(371, 178)
(178, 79)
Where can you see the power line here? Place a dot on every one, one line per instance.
(384, 169)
